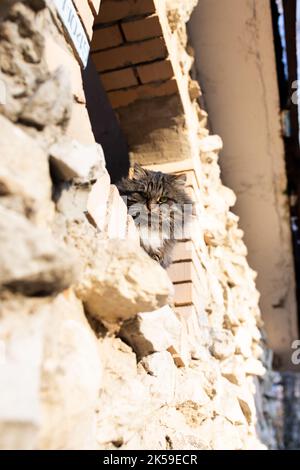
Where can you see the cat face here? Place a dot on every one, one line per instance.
(156, 200)
(154, 188)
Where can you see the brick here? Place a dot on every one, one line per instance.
(117, 215)
(160, 70)
(94, 6)
(119, 79)
(106, 37)
(183, 251)
(182, 272)
(114, 10)
(86, 16)
(143, 28)
(123, 56)
(98, 199)
(189, 272)
(184, 294)
(126, 97)
(187, 294)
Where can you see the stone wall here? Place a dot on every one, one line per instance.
(253, 157)
(98, 349)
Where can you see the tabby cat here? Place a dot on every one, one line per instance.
(161, 209)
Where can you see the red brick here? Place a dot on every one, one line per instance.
(119, 79)
(114, 10)
(145, 51)
(106, 37)
(125, 97)
(143, 28)
(160, 70)
(94, 6)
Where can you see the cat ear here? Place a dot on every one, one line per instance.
(138, 171)
(180, 179)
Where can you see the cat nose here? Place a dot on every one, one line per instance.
(150, 205)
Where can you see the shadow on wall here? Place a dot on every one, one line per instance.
(105, 126)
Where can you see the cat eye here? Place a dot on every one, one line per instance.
(163, 200)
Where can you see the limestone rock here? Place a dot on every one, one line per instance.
(32, 261)
(190, 386)
(161, 376)
(220, 434)
(156, 331)
(254, 367)
(22, 333)
(97, 203)
(21, 156)
(71, 378)
(74, 161)
(51, 103)
(243, 340)
(233, 369)
(121, 281)
(226, 402)
(211, 143)
(125, 402)
(223, 344)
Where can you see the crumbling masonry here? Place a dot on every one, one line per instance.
(98, 349)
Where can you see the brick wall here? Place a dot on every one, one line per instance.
(130, 53)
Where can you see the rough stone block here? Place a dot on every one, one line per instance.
(70, 378)
(144, 337)
(79, 127)
(226, 402)
(22, 333)
(116, 215)
(122, 280)
(25, 183)
(98, 200)
(57, 54)
(74, 161)
(161, 376)
(132, 232)
(32, 261)
(51, 103)
(223, 344)
(211, 143)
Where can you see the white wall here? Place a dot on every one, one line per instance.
(235, 63)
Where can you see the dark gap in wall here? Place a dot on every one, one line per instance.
(286, 64)
(105, 125)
